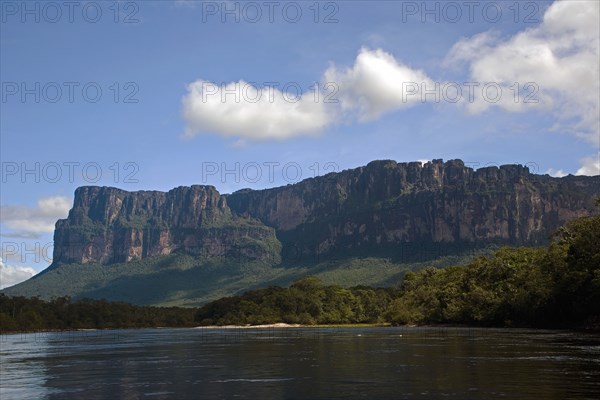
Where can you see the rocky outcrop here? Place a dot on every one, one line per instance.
(110, 225)
(365, 209)
(386, 203)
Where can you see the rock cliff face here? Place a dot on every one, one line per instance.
(380, 205)
(110, 225)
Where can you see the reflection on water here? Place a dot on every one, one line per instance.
(293, 363)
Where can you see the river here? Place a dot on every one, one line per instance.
(301, 363)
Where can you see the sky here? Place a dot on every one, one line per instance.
(151, 95)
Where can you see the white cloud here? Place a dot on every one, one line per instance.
(31, 222)
(561, 56)
(590, 166)
(553, 67)
(242, 110)
(556, 173)
(377, 83)
(11, 275)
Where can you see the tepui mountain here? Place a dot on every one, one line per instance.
(193, 244)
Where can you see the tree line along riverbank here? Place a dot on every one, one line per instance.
(557, 286)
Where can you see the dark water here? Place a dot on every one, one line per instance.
(369, 363)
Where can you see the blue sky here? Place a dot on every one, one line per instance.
(163, 118)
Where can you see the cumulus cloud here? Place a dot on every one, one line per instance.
(244, 110)
(590, 166)
(377, 83)
(560, 56)
(11, 275)
(553, 67)
(556, 173)
(32, 222)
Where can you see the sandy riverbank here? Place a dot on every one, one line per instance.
(284, 325)
(278, 325)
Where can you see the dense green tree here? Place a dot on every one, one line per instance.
(573, 262)
(557, 286)
(32, 314)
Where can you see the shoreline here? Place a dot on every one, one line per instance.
(283, 325)
(262, 326)
(286, 325)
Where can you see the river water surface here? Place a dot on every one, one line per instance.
(299, 363)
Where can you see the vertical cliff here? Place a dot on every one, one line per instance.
(381, 205)
(110, 225)
(386, 203)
